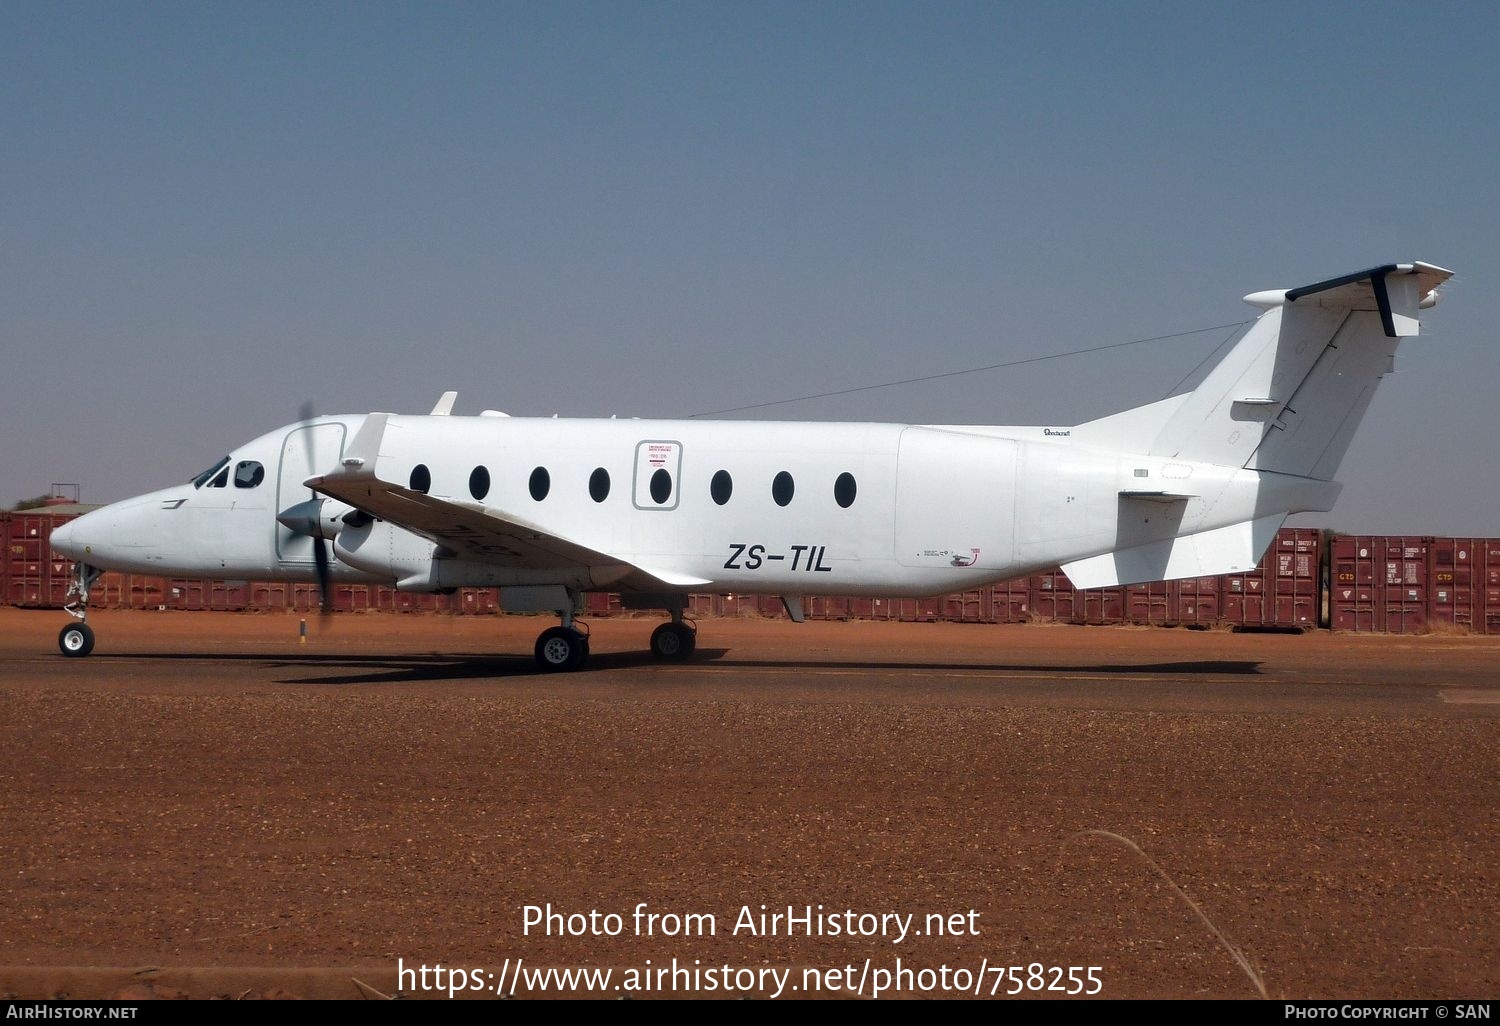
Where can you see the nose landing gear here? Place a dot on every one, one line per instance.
(77, 639)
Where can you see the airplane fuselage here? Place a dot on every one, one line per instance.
(802, 508)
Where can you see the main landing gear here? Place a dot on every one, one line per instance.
(560, 649)
(675, 641)
(565, 648)
(77, 639)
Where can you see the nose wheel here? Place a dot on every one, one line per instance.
(76, 639)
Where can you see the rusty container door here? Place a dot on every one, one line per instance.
(1198, 601)
(1011, 601)
(147, 592)
(5, 599)
(1354, 599)
(601, 603)
(23, 554)
(1053, 597)
(1152, 603)
(1245, 600)
(269, 596)
(186, 593)
(1456, 601)
(1294, 565)
(1405, 597)
(351, 598)
(475, 601)
(826, 607)
(1101, 606)
(38, 577)
(967, 607)
(1489, 579)
(229, 596)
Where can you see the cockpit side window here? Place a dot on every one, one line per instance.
(209, 474)
(248, 474)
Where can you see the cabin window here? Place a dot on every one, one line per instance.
(209, 474)
(599, 485)
(721, 487)
(248, 474)
(421, 478)
(540, 484)
(844, 490)
(479, 483)
(782, 488)
(661, 486)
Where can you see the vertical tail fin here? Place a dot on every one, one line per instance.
(1288, 397)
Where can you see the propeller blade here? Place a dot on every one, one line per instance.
(320, 554)
(320, 566)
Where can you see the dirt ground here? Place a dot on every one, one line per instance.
(208, 806)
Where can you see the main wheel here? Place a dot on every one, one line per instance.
(560, 649)
(673, 641)
(76, 639)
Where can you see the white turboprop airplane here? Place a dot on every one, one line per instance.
(548, 509)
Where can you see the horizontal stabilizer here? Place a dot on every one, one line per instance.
(1395, 291)
(1226, 550)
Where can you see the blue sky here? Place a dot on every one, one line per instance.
(210, 213)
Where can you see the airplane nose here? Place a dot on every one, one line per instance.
(65, 540)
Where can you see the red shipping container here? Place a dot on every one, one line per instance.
(1455, 600)
(1052, 597)
(1101, 605)
(480, 601)
(1380, 583)
(1406, 584)
(35, 576)
(919, 610)
(187, 594)
(1153, 603)
(1283, 591)
(1012, 601)
(967, 607)
(1488, 577)
(1197, 601)
(827, 607)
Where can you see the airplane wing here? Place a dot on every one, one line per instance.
(469, 530)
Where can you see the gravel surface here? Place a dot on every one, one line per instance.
(207, 796)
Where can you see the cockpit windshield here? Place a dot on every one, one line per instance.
(208, 475)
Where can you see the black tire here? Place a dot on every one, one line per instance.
(76, 640)
(560, 650)
(673, 642)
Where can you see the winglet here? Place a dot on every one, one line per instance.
(444, 405)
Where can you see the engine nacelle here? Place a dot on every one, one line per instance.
(416, 564)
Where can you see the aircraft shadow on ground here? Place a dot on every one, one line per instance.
(328, 669)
